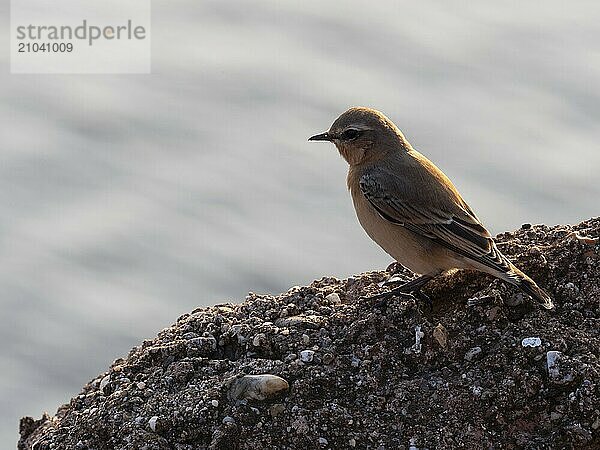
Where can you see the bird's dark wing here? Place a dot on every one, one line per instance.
(449, 223)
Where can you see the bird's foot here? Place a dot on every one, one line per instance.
(410, 290)
(394, 280)
(382, 299)
(403, 290)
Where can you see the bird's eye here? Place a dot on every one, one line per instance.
(350, 134)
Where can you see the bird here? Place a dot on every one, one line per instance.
(411, 209)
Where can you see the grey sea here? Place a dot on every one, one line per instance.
(127, 200)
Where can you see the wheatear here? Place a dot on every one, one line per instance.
(411, 209)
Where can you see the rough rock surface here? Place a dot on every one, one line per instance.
(402, 375)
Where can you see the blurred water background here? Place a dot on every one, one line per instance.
(126, 201)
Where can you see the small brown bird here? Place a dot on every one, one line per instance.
(411, 209)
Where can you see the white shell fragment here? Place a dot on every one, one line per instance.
(152, 422)
(552, 358)
(416, 348)
(104, 383)
(307, 356)
(531, 342)
(257, 387)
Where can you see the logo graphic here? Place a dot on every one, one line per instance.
(69, 36)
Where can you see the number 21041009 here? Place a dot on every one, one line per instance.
(45, 47)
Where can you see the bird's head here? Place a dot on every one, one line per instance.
(363, 135)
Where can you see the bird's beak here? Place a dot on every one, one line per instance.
(321, 137)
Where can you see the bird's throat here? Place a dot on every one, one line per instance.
(353, 156)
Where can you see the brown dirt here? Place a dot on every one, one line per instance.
(469, 384)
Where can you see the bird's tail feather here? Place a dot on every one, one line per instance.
(527, 285)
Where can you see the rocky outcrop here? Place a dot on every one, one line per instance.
(321, 367)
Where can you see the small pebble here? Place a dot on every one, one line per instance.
(441, 335)
(228, 420)
(276, 409)
(307, 356)
(334, 298)
(215, 403)
(257, 387)
(259, 340)
(473, 353)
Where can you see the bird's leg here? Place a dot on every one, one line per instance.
(411, 290)
(381, 302)
(413, 286)
(423, 296)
